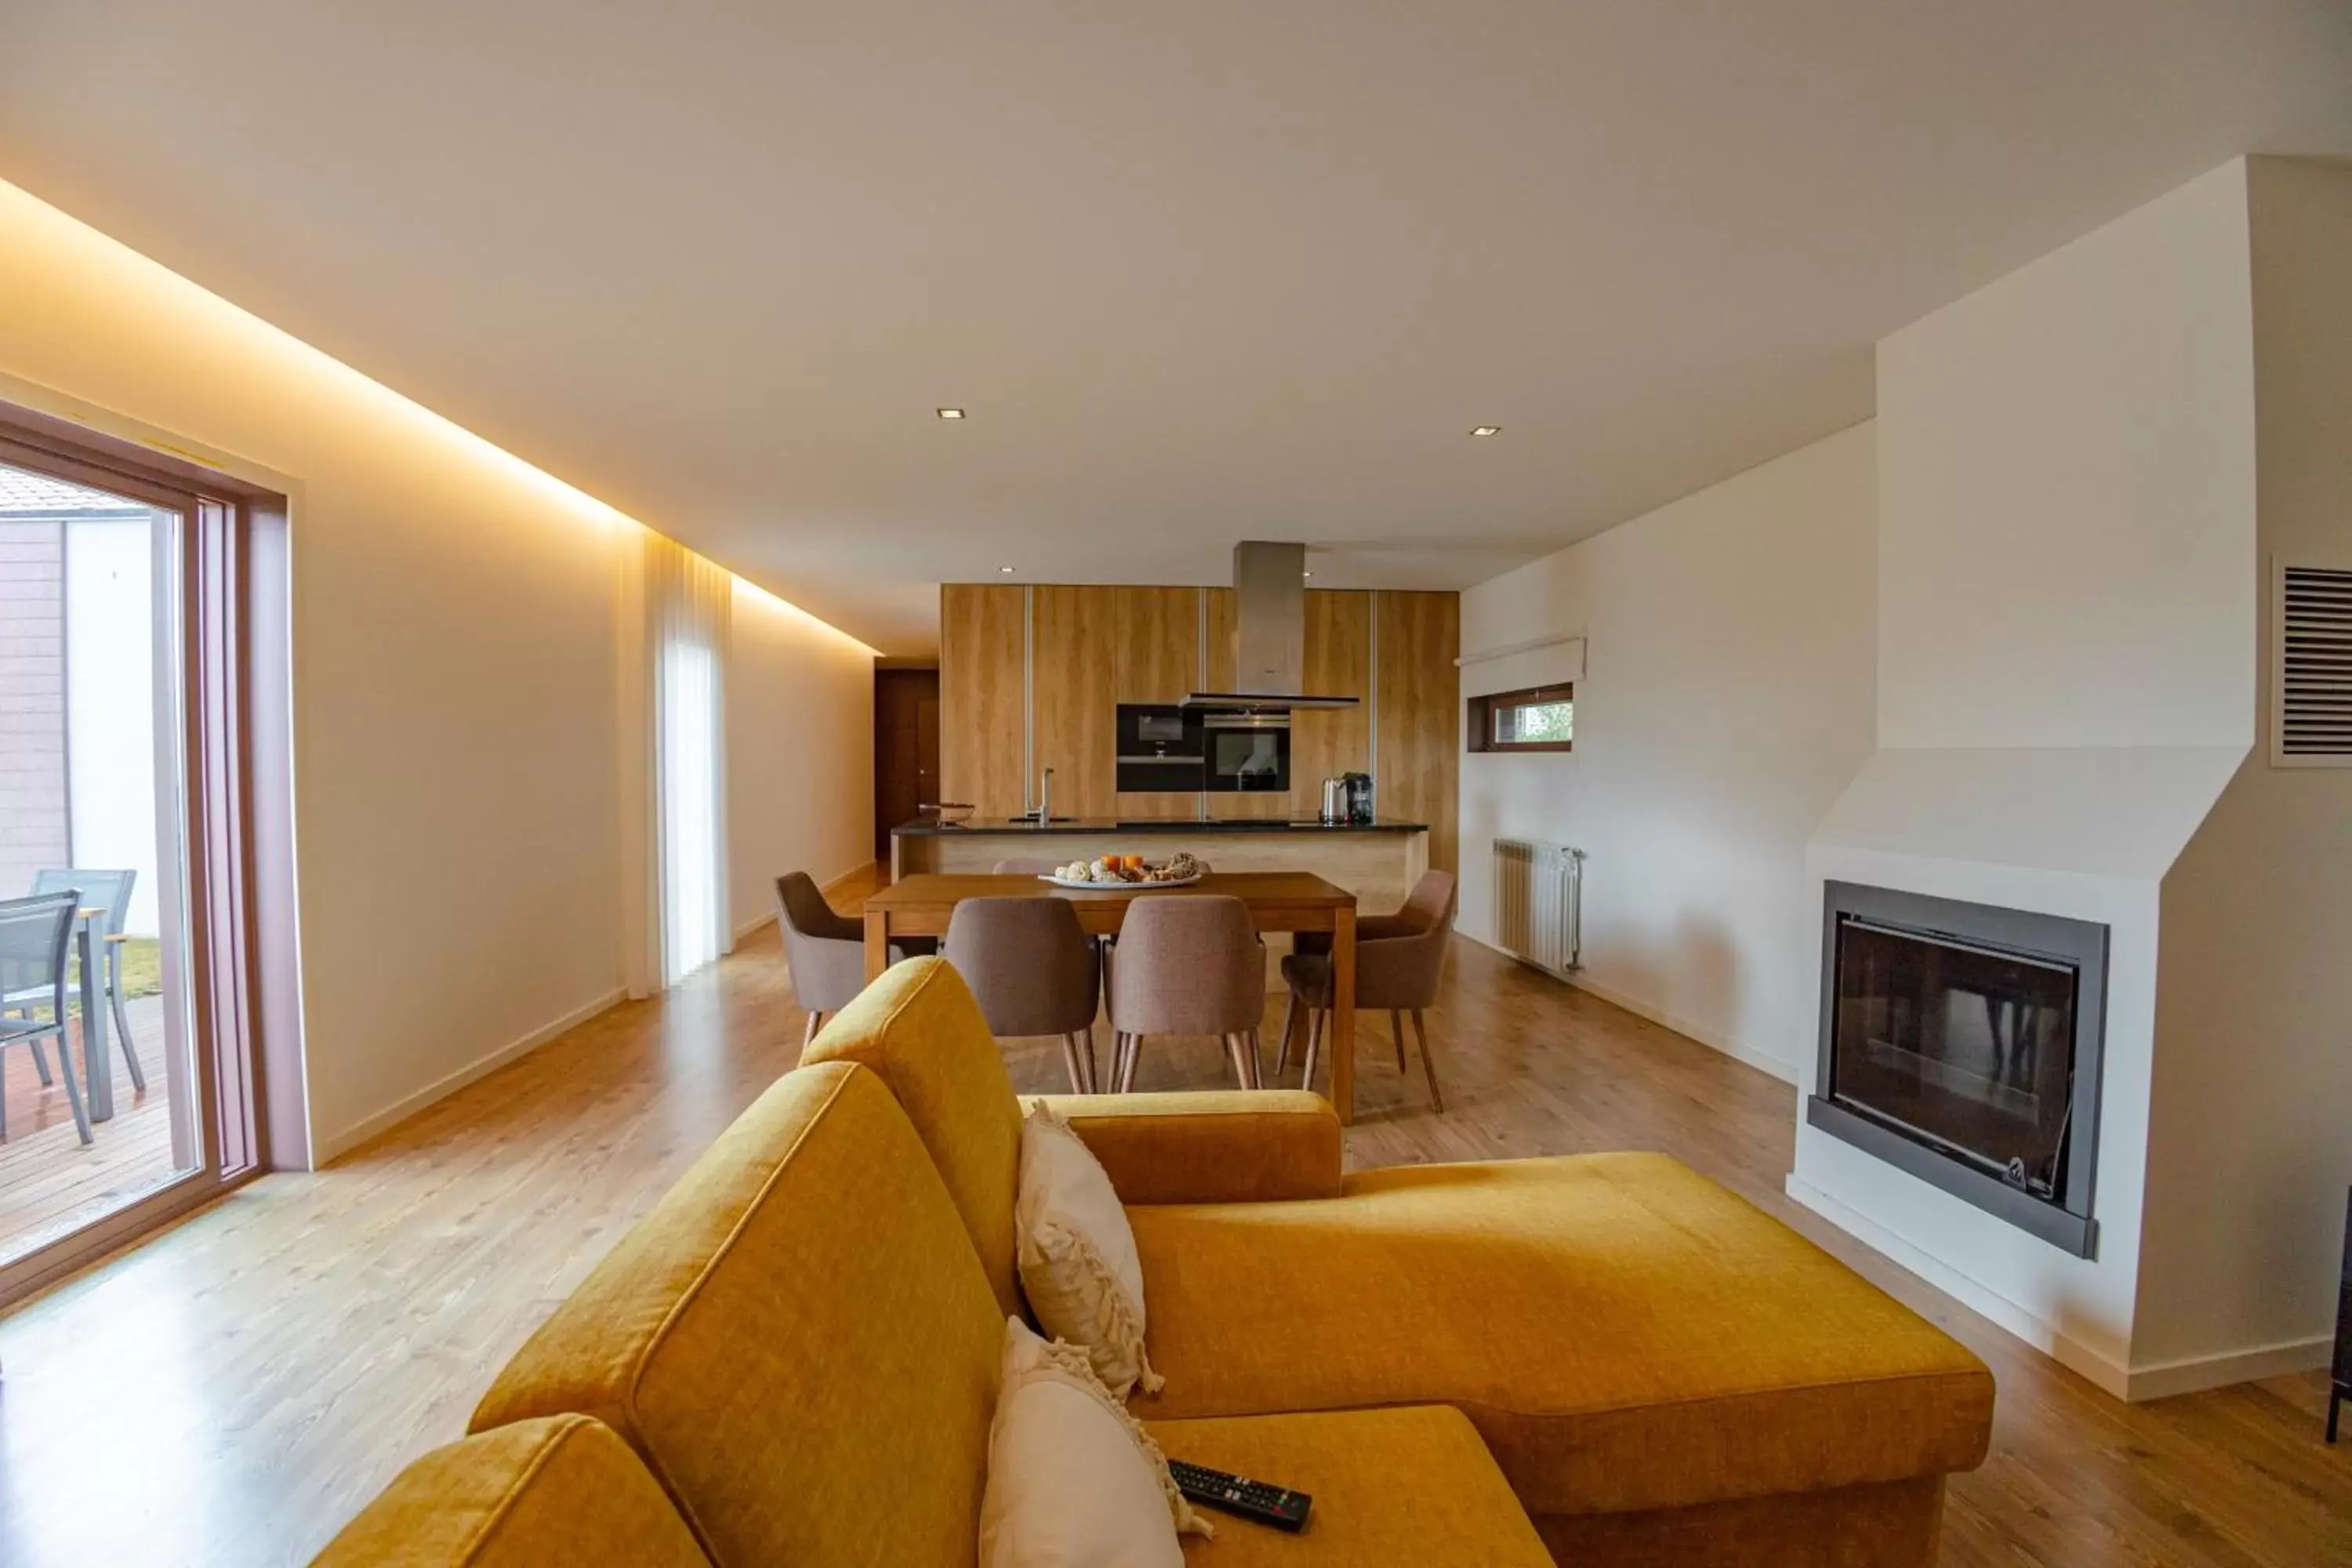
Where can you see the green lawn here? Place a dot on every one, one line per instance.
(142, 967)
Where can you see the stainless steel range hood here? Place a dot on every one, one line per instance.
(1269, 635)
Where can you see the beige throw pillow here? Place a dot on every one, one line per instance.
(1076, 1253)
(1073, 1481)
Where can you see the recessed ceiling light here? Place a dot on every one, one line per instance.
(1307, 573)
(1479, 430)
(950, 412)
(1005, 569)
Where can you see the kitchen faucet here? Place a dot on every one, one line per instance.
(1045, 799)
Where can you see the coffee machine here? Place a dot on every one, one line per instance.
(1347, 799)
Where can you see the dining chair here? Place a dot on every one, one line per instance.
(1027, 867)
(1398, 961)
(1187, 965)
(1033, 969)
(824, 951)
(109, 893)
(35, 934)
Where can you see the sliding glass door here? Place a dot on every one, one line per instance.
(127, 995)
(98, 1102)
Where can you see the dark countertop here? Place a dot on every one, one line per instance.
(998, 827)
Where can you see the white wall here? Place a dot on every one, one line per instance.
(800, 753)
(1728, 698)
(2066, 477)
(115, 754)
(454, 647)
(2252, 1100)
(2067, 605)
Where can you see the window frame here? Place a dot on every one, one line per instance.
(236, 832)
(1483, 710)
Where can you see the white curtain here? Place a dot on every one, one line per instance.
(689, 605)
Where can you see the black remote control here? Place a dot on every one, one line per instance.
(1277, 1506)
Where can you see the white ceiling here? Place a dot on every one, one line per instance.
(1200, 272)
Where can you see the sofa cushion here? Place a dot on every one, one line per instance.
(919, 1028)
(1623, 1333)
(1210, 1146)
(796, 1330)
(1409, 1486)
(564, 1489)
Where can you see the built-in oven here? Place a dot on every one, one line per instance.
(1160, 747)
(1247, 754)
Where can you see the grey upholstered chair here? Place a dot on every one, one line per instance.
(824, 951)
(35, 934)
(1187, 965)
(1026, 868)
(1033, 969)
(1398, 957)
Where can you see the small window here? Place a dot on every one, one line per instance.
(1541, 719)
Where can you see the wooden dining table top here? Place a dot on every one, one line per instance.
(1273, 897)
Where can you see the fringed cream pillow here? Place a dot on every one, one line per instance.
(1076, 1251)
(1074, 1482)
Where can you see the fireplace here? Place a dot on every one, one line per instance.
(1960, 1042)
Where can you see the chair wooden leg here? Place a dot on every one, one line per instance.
(1289, 1017)
(808, 1030)
(1314, 1043)
(1254, 1055)
(1234, 1060)
(1086, 1060)
(1134, 1057)
(1070, 1063)
(1428, 1062)
(1396, 1033)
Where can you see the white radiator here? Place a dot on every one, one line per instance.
(1538, 903)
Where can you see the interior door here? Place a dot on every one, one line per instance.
(906, 749)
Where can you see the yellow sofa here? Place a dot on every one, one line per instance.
(793, 1358)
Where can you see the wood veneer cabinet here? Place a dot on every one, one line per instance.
(1418, 636)
(984, 696)
(1074, 641)
(1031, 677)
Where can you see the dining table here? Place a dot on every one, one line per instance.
(922, 905)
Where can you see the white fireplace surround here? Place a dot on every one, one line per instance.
(2080, 498)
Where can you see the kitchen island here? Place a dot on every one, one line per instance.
(1378, 861)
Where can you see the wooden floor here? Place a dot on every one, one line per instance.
(233, 1391)
(49, 1184)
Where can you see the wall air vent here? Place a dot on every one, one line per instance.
(2312, 725)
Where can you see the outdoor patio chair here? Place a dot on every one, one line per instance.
(110, 892)
(35, 933)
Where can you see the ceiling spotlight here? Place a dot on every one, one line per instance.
(1307, 573)
(1007, 570)
(1477, 430)
(950, 412)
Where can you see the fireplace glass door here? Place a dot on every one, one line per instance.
(1967, 1047)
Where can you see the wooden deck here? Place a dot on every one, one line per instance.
(50, 1184)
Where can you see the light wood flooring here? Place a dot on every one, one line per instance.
(234, 1390)
(49, 1182)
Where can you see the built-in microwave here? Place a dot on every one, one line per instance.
(1160, 747)
(1247, 754)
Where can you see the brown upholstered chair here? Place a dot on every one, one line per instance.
(826, 951)
(1033, 969)
(1187, 965)
(1398, 957)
